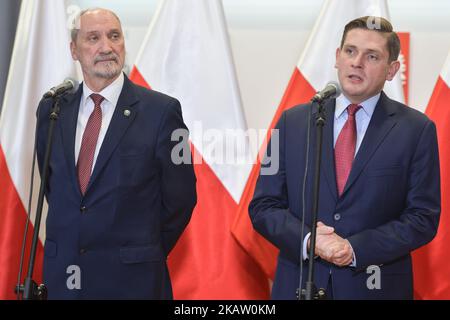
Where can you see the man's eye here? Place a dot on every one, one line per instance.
(115, 36)
(373, 57)
(93, 38)
(349, 51)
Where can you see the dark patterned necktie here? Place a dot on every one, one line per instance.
(89, 143)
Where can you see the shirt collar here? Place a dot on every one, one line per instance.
(368, 105)
(111, 93)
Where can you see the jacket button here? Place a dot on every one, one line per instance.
(337, 217)
(82, 251)
(83, 209)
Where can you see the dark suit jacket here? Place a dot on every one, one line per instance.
(137, 204)
(389, 207)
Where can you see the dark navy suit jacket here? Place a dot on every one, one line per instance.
(389, 207)
(137, 204)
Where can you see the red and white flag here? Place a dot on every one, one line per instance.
(431, 264)
(41, 59)
(186, 54)
(313, 71)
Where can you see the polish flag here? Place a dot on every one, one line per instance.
(187, 54)
(431, 264)
(313, 71)
(41, 59)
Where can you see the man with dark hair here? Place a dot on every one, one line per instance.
(382, 26)
(118, 201)
(379, 196)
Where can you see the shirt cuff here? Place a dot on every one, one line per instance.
(353, 264)
(305, 247)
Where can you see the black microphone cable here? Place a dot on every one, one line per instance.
(305, 177)
(30, 199)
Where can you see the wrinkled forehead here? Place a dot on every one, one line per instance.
(93, 19)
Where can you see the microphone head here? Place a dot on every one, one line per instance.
(75, 84)
(69, 85)
(332, 90)
(337, 89)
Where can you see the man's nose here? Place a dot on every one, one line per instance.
(357, 61)
(105, 46)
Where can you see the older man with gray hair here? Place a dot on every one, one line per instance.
(117, 201)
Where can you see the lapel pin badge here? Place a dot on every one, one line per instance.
(126, 113)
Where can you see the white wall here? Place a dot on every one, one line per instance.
(268, 36)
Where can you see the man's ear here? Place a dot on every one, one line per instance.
(392, 70)
(338, 52)
(73, 51)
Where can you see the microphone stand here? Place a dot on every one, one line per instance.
(29, 289)
(311, 292)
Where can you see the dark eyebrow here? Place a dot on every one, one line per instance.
(350, 46)
(374, 51)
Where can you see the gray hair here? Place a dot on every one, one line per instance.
(75, 27)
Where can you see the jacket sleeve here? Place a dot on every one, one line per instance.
(42, 129)
(417, 224)
(178, 182)
(269, 209)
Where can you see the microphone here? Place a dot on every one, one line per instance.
(332, 90)
(68, 86)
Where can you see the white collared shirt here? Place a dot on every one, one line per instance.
(111, 94)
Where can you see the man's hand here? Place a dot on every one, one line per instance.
(331, 247)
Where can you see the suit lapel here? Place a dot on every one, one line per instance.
(123, 116)
(382, 122)
(328, 148)
(68, 117)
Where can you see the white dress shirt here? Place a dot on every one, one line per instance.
(111, 94)
(362, 119)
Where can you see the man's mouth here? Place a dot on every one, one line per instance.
(355, 78)
(106, 60)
